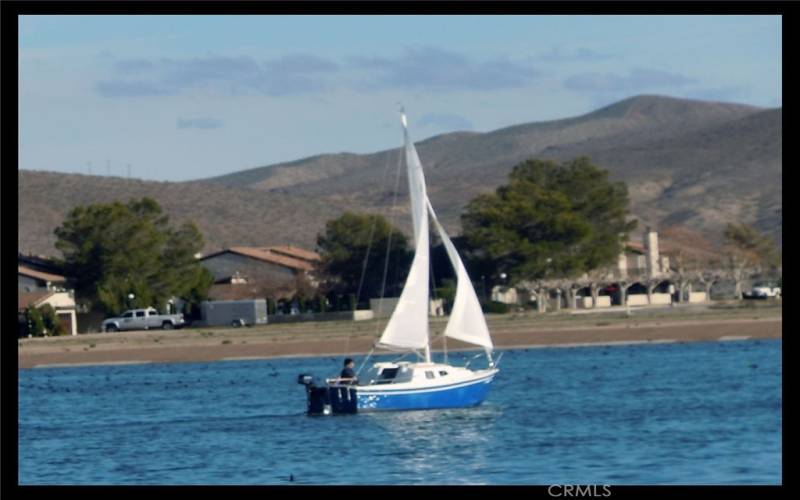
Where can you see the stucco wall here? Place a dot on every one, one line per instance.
(637, 300)
(661, 298)
(586, 302)
(698, 297)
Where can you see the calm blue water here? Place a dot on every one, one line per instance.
(699, 413)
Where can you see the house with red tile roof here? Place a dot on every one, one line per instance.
(295, 253)
(259, 272)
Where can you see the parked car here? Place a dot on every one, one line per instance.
(143, 319)
(763, 291)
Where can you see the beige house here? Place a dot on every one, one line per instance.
(37, 288)
(62, 302)
(643, 260)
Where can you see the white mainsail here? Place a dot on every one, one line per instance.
(408, 325)
(416, 182)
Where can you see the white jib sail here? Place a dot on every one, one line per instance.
(467, 322)
(408, 325)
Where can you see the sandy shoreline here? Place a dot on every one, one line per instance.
(338, 340)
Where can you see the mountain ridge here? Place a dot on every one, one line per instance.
(689, 162)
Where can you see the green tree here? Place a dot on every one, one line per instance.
(480, 267)
(353, 239)
(116, 249)
(35, 321)
(550, 220)
(52, 326)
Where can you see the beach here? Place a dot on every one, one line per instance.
(527, 330)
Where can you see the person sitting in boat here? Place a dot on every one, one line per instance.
(348, 376)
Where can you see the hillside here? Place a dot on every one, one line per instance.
(686, 162)
(702, 178)
(225, 216)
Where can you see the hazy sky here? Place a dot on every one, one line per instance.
(188, 97)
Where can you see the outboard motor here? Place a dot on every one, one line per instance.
(328, 399)
(305, 379)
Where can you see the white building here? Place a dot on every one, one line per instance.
(642, 261)
(37, 288)
(62, 302)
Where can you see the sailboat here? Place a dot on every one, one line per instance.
(424, 384)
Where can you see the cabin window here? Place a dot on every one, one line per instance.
(442, 373)
(429, 374)
(140, 314)
(127, 315)
(388, 373)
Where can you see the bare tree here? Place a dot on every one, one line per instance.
(597, 278)
(739, 266)
(623, 290)
(542, 295)
(681, 272)
(539, 289)
(748, 252)
(651, 284)
(565, 287)
(707, 278)
(692, 258)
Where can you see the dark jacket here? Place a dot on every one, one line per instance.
(348, 373)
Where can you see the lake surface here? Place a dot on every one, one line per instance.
(695, 413)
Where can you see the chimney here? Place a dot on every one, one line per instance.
(622, 265)
(651, 253)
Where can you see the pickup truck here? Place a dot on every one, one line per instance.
(764, 290)
(143, 319)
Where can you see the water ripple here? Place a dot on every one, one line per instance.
(645, 414)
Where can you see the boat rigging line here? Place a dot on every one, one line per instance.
(388, 251)
(369, 248)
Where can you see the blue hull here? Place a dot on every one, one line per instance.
(457, 396)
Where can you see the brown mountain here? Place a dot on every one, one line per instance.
(696, 163)
(226, 216)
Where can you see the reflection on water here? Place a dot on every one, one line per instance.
(705, 413)
(420, 438)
